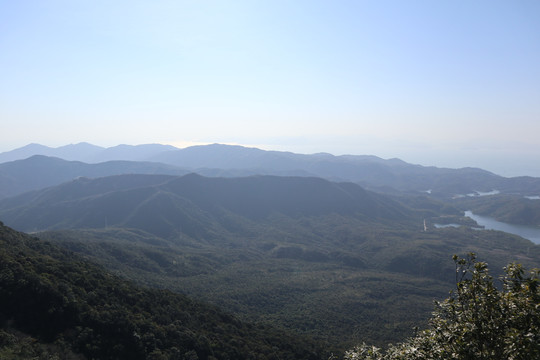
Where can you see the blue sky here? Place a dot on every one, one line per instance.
(445, 83)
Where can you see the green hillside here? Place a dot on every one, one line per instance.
(77, 310)
(331, 261)
(337, 281)
(513, 209)
(192, 205)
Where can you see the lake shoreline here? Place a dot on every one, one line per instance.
(489, 223)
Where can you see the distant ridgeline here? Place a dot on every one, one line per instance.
(20, 172)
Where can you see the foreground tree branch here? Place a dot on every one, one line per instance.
(477, 321)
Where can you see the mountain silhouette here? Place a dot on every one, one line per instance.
(39, 171)
(371, 172)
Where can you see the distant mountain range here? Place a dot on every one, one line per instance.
(88, 153)
(19, 173)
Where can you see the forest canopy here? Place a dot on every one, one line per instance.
(478, 321)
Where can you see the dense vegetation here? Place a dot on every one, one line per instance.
(379, 280)
(331, 261)
(191, 205)
(513, 209)
(478, 321)
(77, 310)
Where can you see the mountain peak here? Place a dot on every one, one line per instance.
(24, 152)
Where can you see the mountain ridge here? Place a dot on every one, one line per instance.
(371, 172)
(87, 152)
(39, 171)
(131, 200)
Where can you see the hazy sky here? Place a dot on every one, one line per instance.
(446, 83)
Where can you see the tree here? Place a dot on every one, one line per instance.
(477, 321)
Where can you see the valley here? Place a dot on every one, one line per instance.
(332, 263)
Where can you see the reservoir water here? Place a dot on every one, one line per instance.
(527, 232)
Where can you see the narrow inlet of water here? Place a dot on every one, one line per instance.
(527, 232)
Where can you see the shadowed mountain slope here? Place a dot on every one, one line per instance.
(54, 296)
(38, 172)
(192, 205)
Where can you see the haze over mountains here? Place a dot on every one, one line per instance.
(88, 153)
(371, 172)
(379, 132)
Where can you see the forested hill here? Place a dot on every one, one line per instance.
(76, 310)
(192, 205)
(328, 260)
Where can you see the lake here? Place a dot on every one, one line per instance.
(488, 223)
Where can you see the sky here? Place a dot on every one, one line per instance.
(443, 83)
